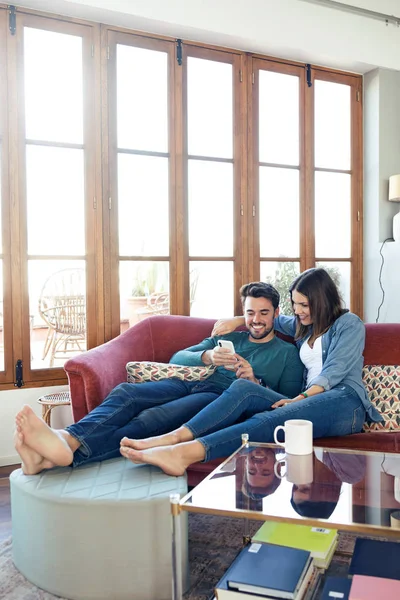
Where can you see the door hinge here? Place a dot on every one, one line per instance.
(252, 78)
(179, 51)
(358, 95)
(92, 50)
(240, 76)
(108, 52)
(254, 210)
(19, 381)
(241, 210)
(358, 215)
(12, 19)
(109, 203)
(308, 74)
(94, 203)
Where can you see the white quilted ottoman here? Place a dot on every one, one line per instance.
(100, 531)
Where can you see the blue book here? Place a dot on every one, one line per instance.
(267, 570)
(336, 588)
(376, 559)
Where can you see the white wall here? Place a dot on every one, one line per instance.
(381, 159)
(11, 402)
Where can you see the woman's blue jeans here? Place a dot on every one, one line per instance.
(138, 411)
(245, 407)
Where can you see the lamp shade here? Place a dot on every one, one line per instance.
(394, 188)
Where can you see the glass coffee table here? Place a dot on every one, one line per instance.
(348, 490)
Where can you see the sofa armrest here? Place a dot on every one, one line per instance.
(93, 374)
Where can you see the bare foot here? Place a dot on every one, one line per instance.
(173, 460)
(43, 440)
(168, 439)
(31, 462)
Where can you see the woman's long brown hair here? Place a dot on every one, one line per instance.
(323, 299)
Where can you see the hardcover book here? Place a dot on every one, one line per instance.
(336, 588)
(267, 570)
(371, 588)
(321, 542)
(376, 559)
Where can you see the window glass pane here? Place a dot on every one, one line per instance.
(332, 125)
(210, 202)
(281, 275)
(332, 215)
(210, 108)
(142, 99)
(278, 118)
(144, 291)
(279, 233)
(340, 273)
(57, 311)
(55, 200)
(53, 86)
(143, 218)
(2, 157)
(205, 279)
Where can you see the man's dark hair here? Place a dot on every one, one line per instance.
(314, 510)
(260, 289)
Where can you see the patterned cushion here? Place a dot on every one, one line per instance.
(383, 386)
(139, 372)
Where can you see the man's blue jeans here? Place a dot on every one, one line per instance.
(246, 408)
(138, 411)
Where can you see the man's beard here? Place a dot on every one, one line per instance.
(260, 336)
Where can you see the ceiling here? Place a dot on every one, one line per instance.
(294, 29)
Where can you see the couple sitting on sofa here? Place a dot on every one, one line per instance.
(206, 419)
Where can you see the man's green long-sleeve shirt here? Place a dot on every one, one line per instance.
(276, 362)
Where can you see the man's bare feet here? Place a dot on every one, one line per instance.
(31, 462)
(183, 434)
(173, 460)
(43, 440)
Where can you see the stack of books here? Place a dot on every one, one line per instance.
(267, 571)
(375, 568)
(320, 542)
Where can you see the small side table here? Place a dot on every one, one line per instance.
(50, 401)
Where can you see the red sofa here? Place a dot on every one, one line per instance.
(93, 374)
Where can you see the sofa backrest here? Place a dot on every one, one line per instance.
(164, 335)
(382, 345)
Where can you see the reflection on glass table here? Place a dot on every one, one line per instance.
(350, 490)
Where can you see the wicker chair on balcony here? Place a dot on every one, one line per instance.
(62, 306)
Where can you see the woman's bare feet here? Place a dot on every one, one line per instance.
(41, 439)
(31, 462)
(182, 434)
(173, 460)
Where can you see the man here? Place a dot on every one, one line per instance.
(152, 408)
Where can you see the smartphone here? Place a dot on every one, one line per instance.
(229, 345)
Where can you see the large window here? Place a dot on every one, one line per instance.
(144, 176)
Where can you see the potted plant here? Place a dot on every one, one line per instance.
(149, 279)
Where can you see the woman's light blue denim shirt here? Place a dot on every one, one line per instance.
(342, 355)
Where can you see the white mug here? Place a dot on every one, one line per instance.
(298, 436)
(299, 468)
(397, 489)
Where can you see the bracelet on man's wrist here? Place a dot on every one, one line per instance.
(304, 394)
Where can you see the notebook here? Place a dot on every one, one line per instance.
(376, 559)
(267, 570)
(336, 588)
(321, 542)
(374, 588)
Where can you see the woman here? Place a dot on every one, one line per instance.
(331, 342)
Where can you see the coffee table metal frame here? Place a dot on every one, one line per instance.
(180, 504)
